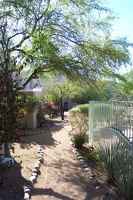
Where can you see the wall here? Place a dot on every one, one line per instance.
(30, 120)
(70, 102)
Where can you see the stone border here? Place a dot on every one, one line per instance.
(87, 169)
(34, 174)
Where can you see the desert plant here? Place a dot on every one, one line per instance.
(123, 171)
(79, 139)
(118, 165)
(109, 153)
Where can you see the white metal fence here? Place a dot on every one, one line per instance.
(110, 120)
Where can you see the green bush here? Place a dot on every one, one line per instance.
(89, 154)
(32, 103)
(84, 108)
(79, 139)
(78, 119)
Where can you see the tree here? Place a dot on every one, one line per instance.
(71, 37)
(63, 36)
(83, 93)
(125, 89)
(57, 88)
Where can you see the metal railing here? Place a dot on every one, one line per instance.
(109, 120)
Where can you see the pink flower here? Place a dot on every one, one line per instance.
(24, 113)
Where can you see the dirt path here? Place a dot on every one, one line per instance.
(62, 176)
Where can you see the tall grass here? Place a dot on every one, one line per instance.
(118, 165)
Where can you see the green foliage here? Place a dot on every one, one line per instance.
(84, 108)
(118, 165)
(51, 39)
(57, 89)
(79, 139)
(32, 103)
(78, 120)
(123, 171)
(108, 154)
(96, 90)
(89, 154)
(10, 106)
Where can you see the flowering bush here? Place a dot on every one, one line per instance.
(10, 105)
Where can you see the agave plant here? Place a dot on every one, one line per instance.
(118, 165)
(108, 156)
(123, 170)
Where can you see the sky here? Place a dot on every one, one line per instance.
(123, 26)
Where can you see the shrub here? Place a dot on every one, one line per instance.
(79, 139)
(84, 108)
(32, 103)
(89, 153)
(9, 105)
(78, 119)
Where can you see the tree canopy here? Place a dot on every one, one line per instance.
(71, 37)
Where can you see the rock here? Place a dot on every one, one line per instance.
(82, 160)
(94, 182)
(37, 166)
(75, 150)
(91, 175)
(71, 143)
(97, 187)
(27, 191)
(33, 179)
(80, 157)
(41, 152)
(26, 196)
(34, 171)
(41, 160)
(40, 156)
(29, 186)
(85, 165)
(38, 163)
(70, 138)
(88, 169)
(34, 174)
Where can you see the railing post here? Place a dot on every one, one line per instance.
(91, 122)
